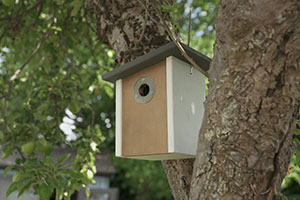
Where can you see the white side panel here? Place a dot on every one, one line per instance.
(188, 109)
(119, 118)
(170, 110)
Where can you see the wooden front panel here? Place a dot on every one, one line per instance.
(144, 126)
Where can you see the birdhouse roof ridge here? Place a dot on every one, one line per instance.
(155, 56)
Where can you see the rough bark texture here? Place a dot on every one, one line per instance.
(179, 174)
(246, 142)
(124, 27)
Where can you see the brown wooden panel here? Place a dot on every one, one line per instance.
(144, 126)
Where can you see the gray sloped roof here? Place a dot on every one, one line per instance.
(156, 56)
(102, 162)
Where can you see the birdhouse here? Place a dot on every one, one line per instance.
(159, 104)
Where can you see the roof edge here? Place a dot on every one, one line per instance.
(156, 56)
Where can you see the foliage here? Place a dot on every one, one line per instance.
(141, 180)
(291, 184)
(64, 73)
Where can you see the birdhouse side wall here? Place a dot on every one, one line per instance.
(185, 97)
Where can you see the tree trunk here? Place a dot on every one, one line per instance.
(125, 27)
(245, 142)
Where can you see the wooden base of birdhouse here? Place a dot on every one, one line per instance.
(159, 111)
(168, 156)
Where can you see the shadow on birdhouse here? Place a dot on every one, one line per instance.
(159, 104)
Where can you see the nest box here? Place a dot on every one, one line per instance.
(159, 104)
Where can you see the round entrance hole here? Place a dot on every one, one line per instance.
(144, 89)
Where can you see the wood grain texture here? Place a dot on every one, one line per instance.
(144, 128)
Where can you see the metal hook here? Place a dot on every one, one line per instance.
(191, 70)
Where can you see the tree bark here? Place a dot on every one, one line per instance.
(125, 27)
(245, 142)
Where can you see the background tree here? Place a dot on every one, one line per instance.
(51, 61)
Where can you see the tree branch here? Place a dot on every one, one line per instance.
(32, 8)
(190, 23)
(5, 115)
(38, 15)
(73, 63)
(15, 75)
(21, 154)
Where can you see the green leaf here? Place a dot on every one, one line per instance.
(48, 160)
(17, 176)
(109, 91)
(298, 157)
(74, 107)
(283, 197)
(75, 174)
(44, 147)
(6, 154)
(8, 3)
(26, 183)
(297, 132)
(62, 158)
(28, 148)
(8, 168)
(38, 116)
(13, 187)
(87, 193)
(57, 195)
(50, 182)
(76, 6)
(1, 135)
(297, 141)
(168, 8)
(68, 197)
(45, 191)
(59, 2)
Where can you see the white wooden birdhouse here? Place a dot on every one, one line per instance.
(159, 104)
